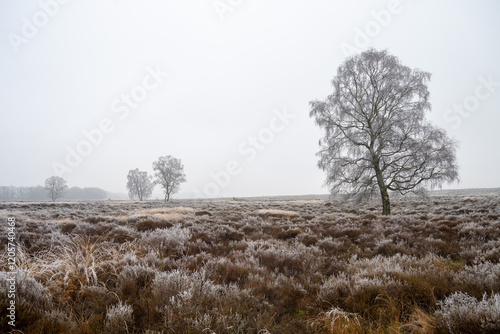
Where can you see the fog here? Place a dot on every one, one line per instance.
(93, 89)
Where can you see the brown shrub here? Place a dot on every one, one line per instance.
(288, 234)
(68, 227)
(321, 269)
(152, 224)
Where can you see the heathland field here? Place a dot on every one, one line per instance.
(256, 266)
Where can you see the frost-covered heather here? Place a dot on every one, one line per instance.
(277, 213)
(300, 266)
(119, 317)
(465, 314)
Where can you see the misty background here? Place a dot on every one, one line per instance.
(240, 77)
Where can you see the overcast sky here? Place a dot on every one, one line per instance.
(91, 89)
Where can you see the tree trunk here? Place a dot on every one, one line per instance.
(167, 193)
(386, 203)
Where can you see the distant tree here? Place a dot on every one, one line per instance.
(8, 193)
(139, 184)
(73, 193)
(169, 173)
(376, 137)
(94, 193)
(27, 194)
(85, 193)
(55, 185)
(38, 193)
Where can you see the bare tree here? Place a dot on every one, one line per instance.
(169, 173)
(376, 137)
(56, 186)
(139, 184)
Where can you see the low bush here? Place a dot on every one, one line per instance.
(461, 313)
(252, 266)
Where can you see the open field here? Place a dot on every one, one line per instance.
(291, 265)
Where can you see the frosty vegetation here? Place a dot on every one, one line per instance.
(376, 138)
(140, 185)
(39, 193)
(307, 266)
(169, 173)
(55, 185)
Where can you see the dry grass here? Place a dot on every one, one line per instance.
(179, 210)
(312, 201)
(257, 267)
(337, 321)
(276, 213)
(176, 213)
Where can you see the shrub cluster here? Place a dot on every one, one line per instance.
(311, 266)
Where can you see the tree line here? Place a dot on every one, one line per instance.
(40, 193)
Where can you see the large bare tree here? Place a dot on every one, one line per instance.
(56, 186)
(169, 173)
(140, 184)
(376, 137)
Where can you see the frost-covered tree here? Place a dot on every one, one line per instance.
(376, 137)
(169, 173)
(56, 186)
(140, 185)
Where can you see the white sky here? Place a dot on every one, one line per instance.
(228, 74)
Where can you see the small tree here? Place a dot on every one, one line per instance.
(169, 173)
(376, 136)
(56, 186)
(139, 184)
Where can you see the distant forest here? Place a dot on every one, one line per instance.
(39, 193)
